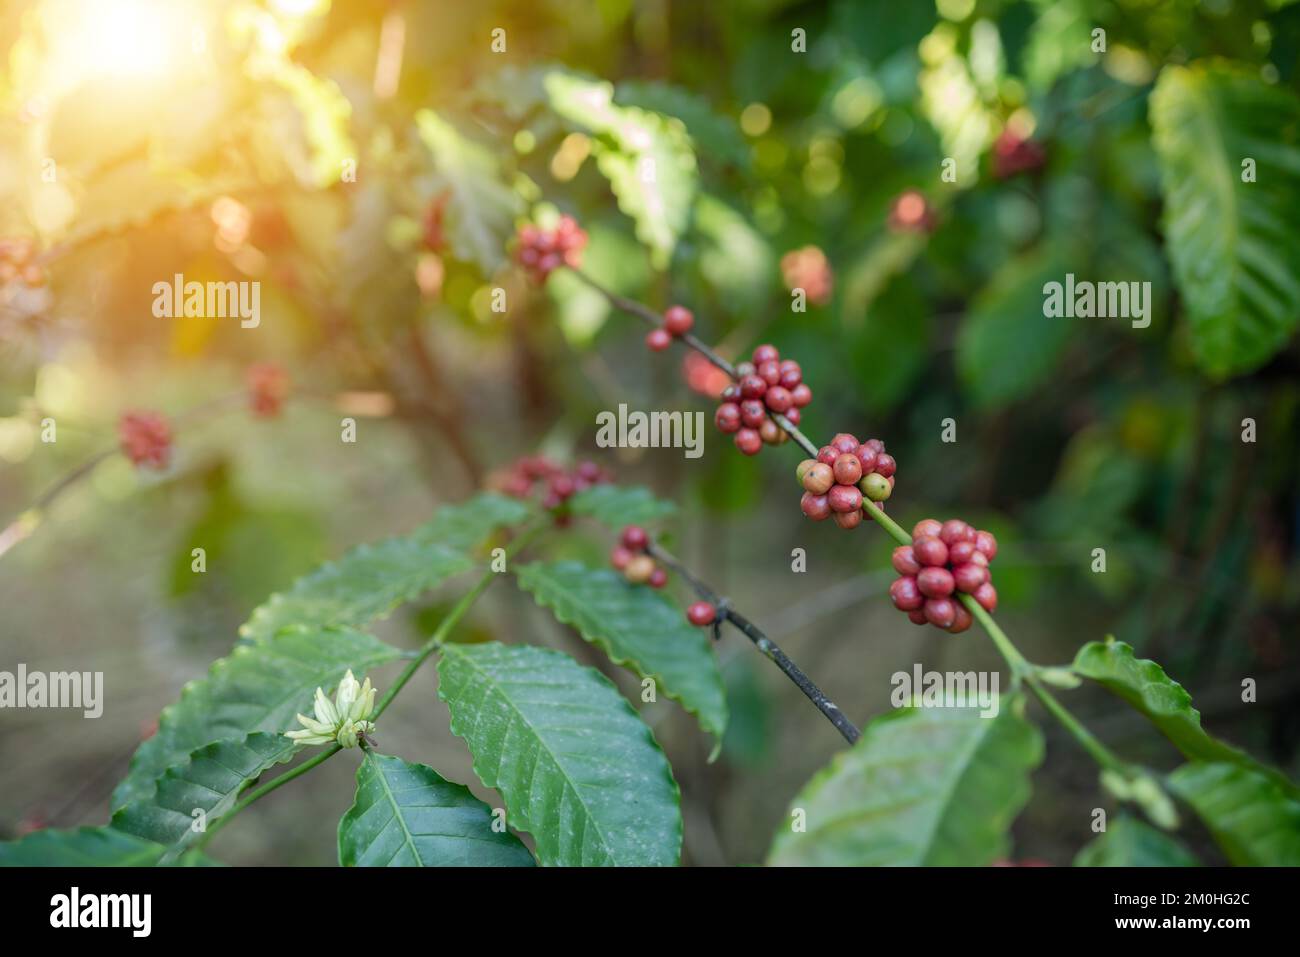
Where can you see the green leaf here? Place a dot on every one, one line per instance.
(578, 768)
(646, 157)
(715, 135)
(407, 815)
(1234, 247)
(210, 780)
(481, 208)
(615, 506)
(83, 847)
(921, 787)
(465, 525)
(1128, 842)
(1252, 818)
(1144, 685)
(259, 687)
(1006, 347)
(637, 627)
(734, 258)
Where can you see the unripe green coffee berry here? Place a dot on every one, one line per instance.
(876, 487)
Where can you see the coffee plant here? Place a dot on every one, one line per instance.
(576, 771)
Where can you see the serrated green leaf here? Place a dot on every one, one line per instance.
(210, 780)
(646, 157)
(1234, 248)
(408, 815)
(921, 787)
(481, 209)
(465, 525)
(1006, 347)
(637, 627)
(1252, 818)
(259, 687)
(1128, 842)
(1144, 685)
(83, 847)
(615, 506)
(578, 768)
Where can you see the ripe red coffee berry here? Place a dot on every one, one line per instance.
(986, 543)
(678, 320)
(753, 413)
(789, 366)
(658, 578)
(955, 530)
(815, 507)
(658, 340)
(753, 387)
(634, 537)
(904, 561)
(935, 582)
(743, 369)
(848, 520)
(748, 441)
(960, 552)
(844, 498)
(877, 487)
(867, 457)
(987, 596)
(940, 612)
(145, 438)
(917, 617)
(979, 558)
(818, 479)
(562, 487)
(930, 551)
(969, 576)
(885, 464)
(827, 454)
(847, 469)
(777, 398)
(875, 445)
(727, 418)
(769, 372)
(766, 353)
(701, 614)
(619, 557)
(962, 621)
(905, 595)
(731, 393)
(927, 528)
(845, 442)
(801, 395)
(639, 569)
(792, 416)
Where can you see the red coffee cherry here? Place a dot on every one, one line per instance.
(987, 596)
(827, 454)
(867, 457)
(792, 416)
(145, 439)
(986, 543)
(801, 395)
(885, 464)
(727, 418)
(634, 538)
(875, 445)
(771, 433)
(962, 619)
(848, 520)
(847, 469)
(917, 617)
(753, 387)
(769, 372)
(620, 557)
(905, 594)
(940, 612)
(815, 507)
(845, 442)
(752, 413)
(927, 527)
(748, 441)
(743, 369)
(818, 479)
(701, 614)
(658, 578)
(658, 340)
(935, 582)
(930, 551)
(844, 498)
(678, 320)
(955, 530)
(766, 353)
(777, 398)
(904, 561)
(960, 552)
(969, 576)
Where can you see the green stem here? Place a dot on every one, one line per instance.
(433, 644)
(1099, 752)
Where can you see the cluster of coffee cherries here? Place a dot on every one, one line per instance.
(677, 322)
(557, 484)
(145, 438)
(630, 557)
(844, 473)
(268, 387)
(945, 558)
(542, 251)
(766, 385)
(18, 262)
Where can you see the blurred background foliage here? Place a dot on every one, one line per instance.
(368, 162)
